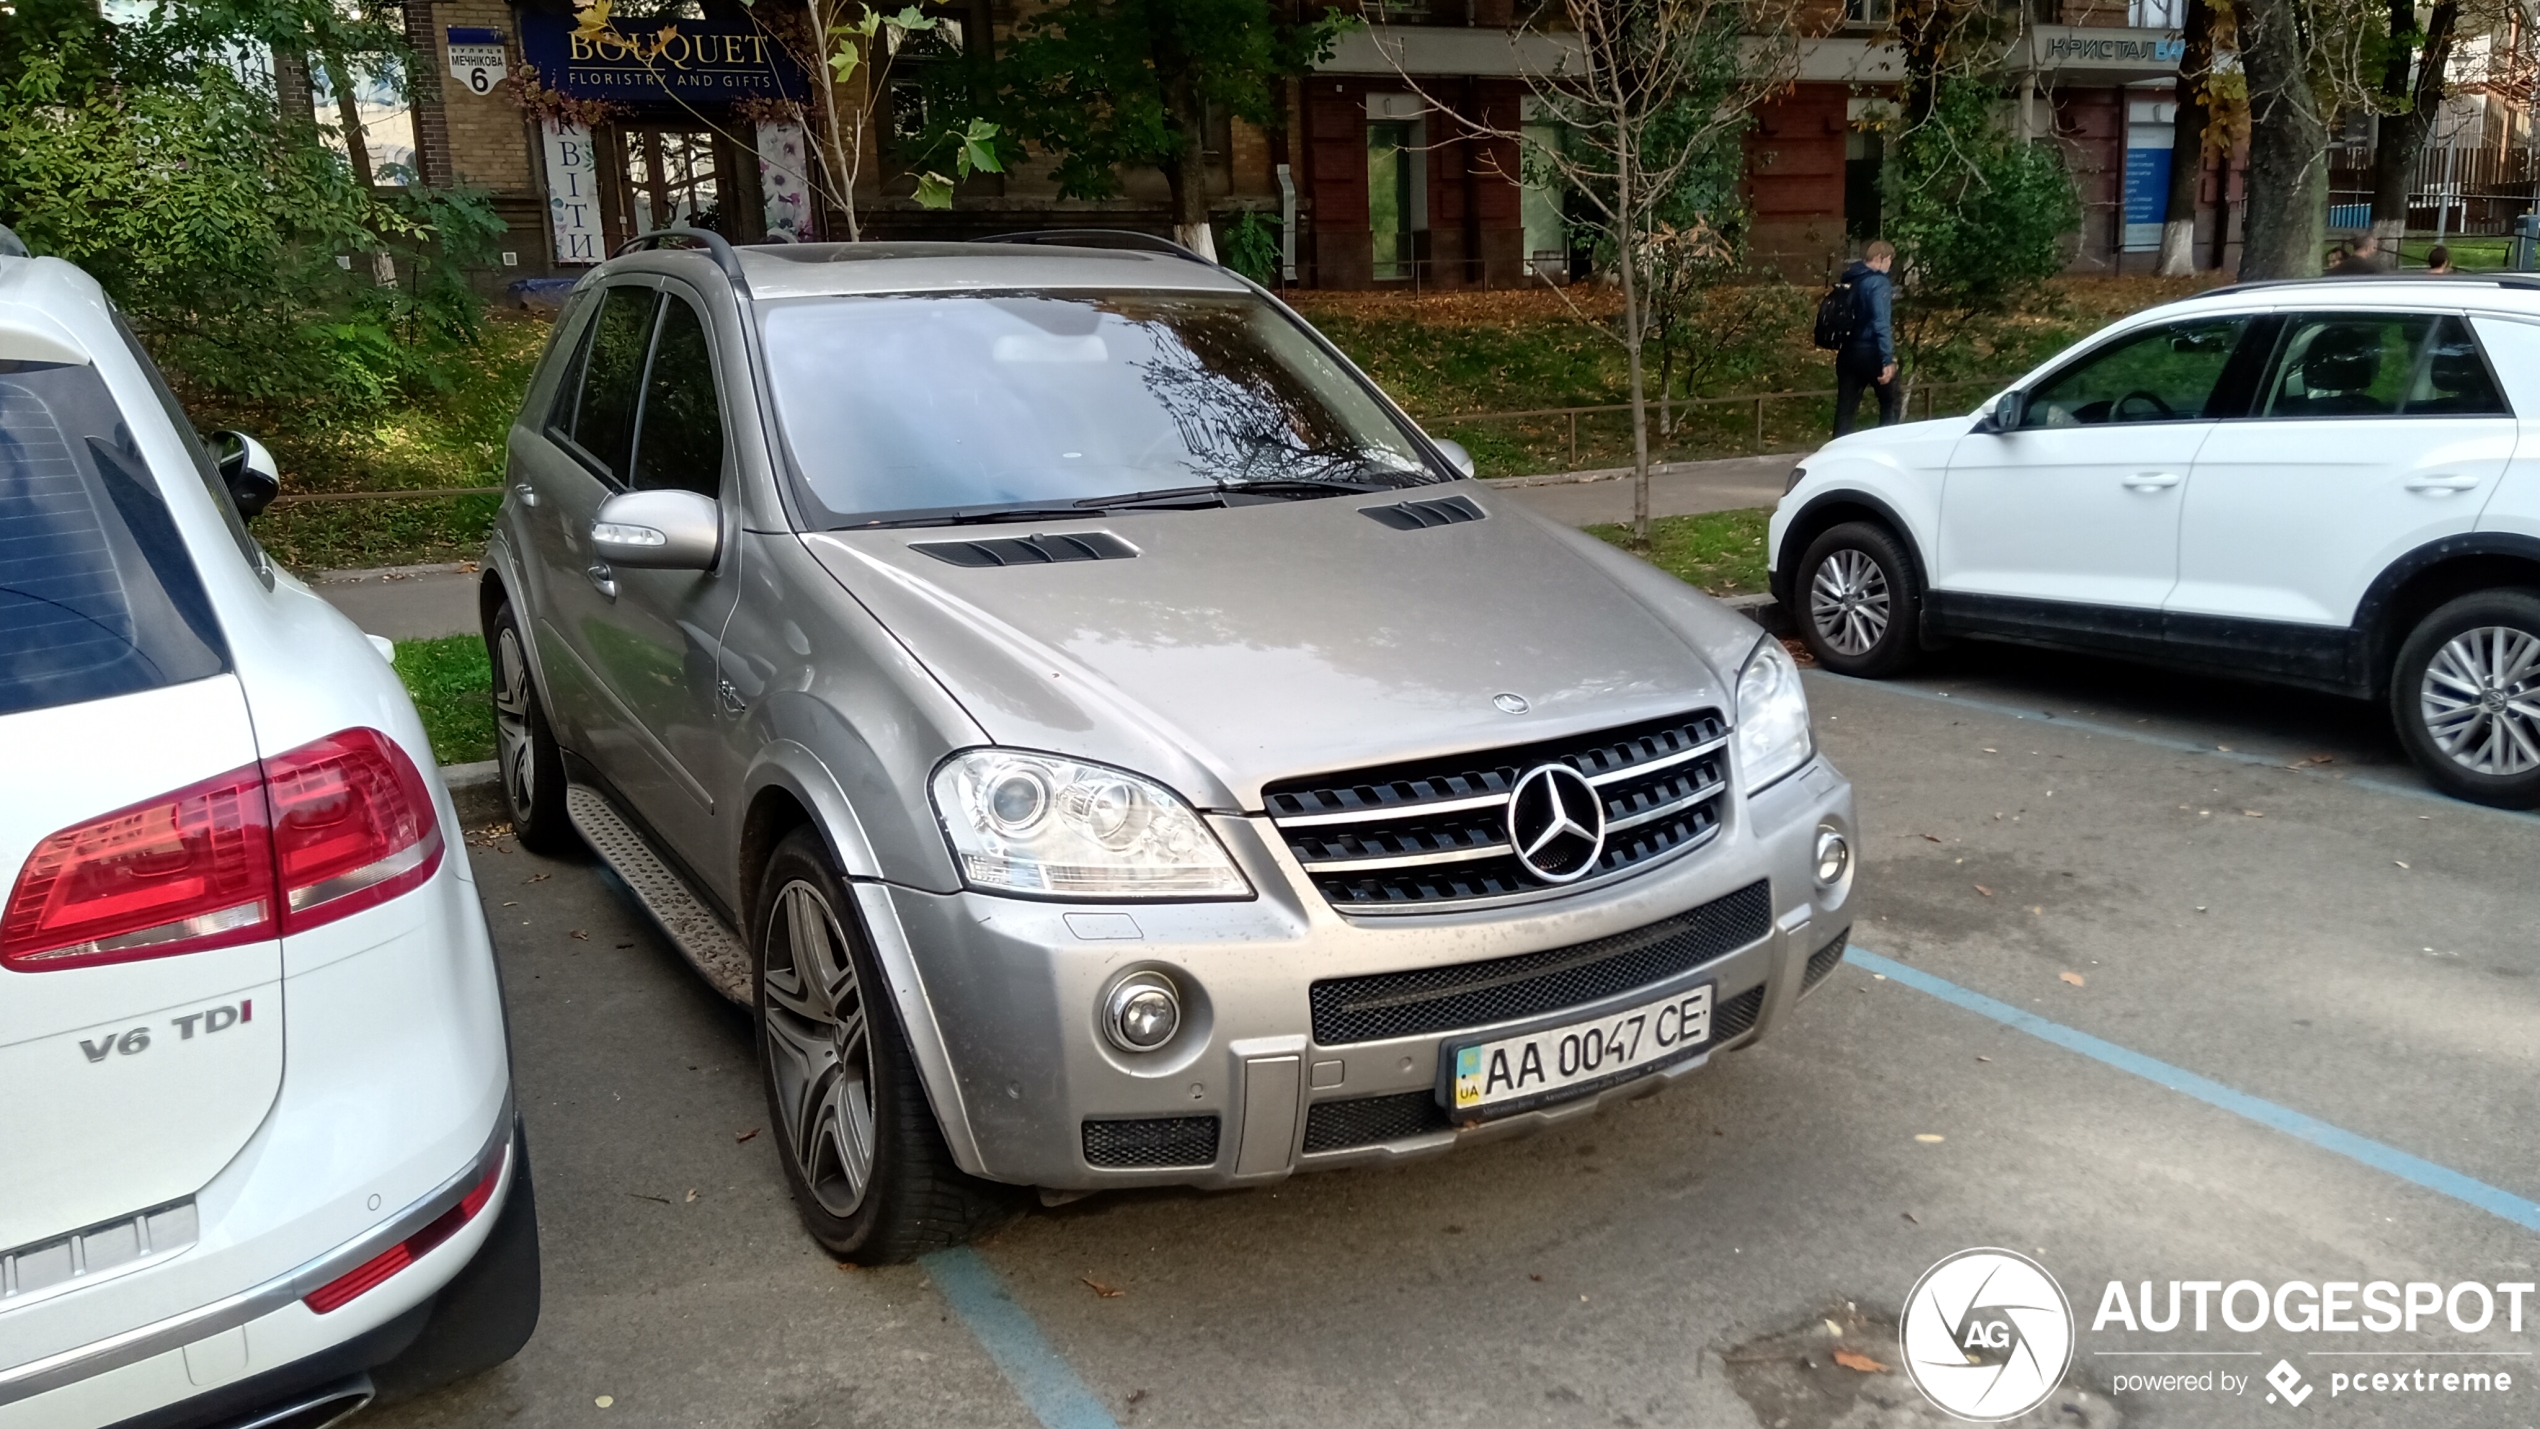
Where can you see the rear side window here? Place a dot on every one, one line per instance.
(611, 378)
(681, 444)
(2381, 365)
(98, 595)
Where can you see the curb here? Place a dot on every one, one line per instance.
(1764, 611)
(393, 573)
(476, 791)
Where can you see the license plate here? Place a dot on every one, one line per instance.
(1536, 1066)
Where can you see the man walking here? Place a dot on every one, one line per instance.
(1869, 358)
(2362, 256)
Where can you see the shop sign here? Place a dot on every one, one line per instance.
(709, 61)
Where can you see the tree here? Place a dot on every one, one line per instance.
(1104, 85)
(2409, 105)
(2187, 146)
(2288, 142)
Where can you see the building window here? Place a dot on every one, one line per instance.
(2156, 14)
(913, 54)
(1868, 12)
(1392, 166)
(1539, 204)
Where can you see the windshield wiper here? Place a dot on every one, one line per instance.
(980, 516)
(1282, 486)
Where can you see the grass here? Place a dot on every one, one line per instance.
(1718, 552)
(2469, 255)
(453, 688)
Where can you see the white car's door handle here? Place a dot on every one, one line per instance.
(2442, 483)
(2151, 481)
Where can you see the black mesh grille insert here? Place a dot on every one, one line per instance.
(1153, 1141)
(1367, 1121)
(1822, 961)
(1442, 823)
(1422, 1000)
(1736, 1017)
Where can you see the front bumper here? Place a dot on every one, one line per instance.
(1015, 986)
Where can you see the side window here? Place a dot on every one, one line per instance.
(2381, 365)
(612, 378)
(2169, 373)
(681, 441)
(205, 468)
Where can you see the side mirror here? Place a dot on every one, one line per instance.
(2007, 411)
(1455, 455)
(667, 530)
(248, 471)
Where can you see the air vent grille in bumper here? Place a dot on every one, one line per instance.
(1034, 550)
(1152, 1141)
(1424, 1000)
(1822, 961)
(1433, 832)
(1419, 515)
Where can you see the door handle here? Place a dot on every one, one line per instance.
(527, 493)
(2442, 484)
(603, 579)
(2151, 481)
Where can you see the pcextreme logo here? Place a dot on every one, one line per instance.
(1987, 1335)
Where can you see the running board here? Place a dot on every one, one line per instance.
(701, 937)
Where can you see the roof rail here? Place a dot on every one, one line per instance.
(12, 246)
(1124, 238)
(712, 242)
(2499, 280)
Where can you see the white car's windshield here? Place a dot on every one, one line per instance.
(927, 407)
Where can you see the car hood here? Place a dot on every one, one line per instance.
(1244, 645)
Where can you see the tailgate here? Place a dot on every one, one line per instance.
(130, 1084)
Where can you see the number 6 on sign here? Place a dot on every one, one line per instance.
(478, 58)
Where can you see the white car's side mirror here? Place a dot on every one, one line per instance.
(667, 530)
(2007, 411)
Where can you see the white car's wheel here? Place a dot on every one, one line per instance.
(2465, 694)
(1859, 603)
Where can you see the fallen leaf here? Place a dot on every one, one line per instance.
(1136, 1397)
(1982, 1058)
(1910, 1216)
(1935, 838)
(740, 1136)
(1929, 1136)
(538, 878)
(2402, 865)
(1107, 1292)
(2073, 978)
(692, 1195)
(1535, 1278)
(1854, 1360)
(1834, 1329)
(2252, 813)
(578, 934)
(1987, 892)
(605, 1400)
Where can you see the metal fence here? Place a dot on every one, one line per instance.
(2471, 192)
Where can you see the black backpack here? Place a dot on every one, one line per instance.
(1837, 314)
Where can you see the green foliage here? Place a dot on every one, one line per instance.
(1111, 84)
(1719, 552)
(1252, 249)
(452, 684)
(1978, 218)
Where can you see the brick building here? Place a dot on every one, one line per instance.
(1373, 179)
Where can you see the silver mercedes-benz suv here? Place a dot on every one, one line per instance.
(1108, 744)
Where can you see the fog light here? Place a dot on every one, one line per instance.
(1834, 857)
(1142, 1013)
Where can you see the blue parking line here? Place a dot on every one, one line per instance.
(1040, 1375)
(2163, 741)
(2440, 1179)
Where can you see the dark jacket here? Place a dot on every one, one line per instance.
(1873, 323)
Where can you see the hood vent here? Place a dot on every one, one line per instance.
(1417, 515)
(1035, 550)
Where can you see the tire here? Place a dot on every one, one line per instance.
(862, 1151)
(486, 1312)
(2465, 695)
(1859, 603)
(525, 753)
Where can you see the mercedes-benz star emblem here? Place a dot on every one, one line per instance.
(1511, 703)
(1556, 823)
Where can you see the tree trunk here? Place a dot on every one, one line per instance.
(348, 113)
(1921, 33)
(2288, 147)
(2399, 138)
(2187, 146)
(1627, 262)
(1187, 175)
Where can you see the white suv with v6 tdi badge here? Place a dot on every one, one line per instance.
(258, 1157)
(2332, 483)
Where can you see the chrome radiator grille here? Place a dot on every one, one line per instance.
(1432, 832)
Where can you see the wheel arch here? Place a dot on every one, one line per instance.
(1823, 513)
(2416, 584)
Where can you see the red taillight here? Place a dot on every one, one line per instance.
(333, 826)
(352, 826)
(367, 1276)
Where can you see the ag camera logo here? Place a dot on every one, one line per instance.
(1987, 1335)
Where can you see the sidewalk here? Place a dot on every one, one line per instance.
(404, 602)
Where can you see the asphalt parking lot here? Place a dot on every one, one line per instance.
(2159, 980)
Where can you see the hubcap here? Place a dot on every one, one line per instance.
(2481, 699)
(511, 724)
(1848, 601)
(819, 1049)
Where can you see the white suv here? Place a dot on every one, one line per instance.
(258, 1156)
(2332, 483)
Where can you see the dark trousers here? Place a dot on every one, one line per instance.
(1854, 370)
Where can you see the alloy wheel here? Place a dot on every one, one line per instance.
(519, 764)
(1848, 601)
(2480, 700)
(820, 1049)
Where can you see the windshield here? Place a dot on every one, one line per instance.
(933, 407)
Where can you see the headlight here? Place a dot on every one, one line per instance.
(1772, 716)
(1032, 823)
